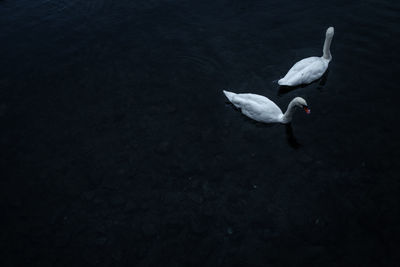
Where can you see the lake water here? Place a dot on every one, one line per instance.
(119, 148)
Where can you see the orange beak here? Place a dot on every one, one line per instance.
(307, 110)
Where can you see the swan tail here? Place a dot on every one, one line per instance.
(229, 95)
(285, 82)
(282, 81)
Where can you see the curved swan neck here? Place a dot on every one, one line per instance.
(327, 44)
(287, 117)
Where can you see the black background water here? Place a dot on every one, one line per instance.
(118, 146)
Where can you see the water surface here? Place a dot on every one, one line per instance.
(119, 148)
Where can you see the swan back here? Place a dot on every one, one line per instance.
(305, 71)
(256, 107)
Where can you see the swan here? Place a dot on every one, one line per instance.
(310, 69)
(262, 109)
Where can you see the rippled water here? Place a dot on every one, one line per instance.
(118, 146)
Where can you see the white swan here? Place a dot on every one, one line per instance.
(312, 68)
(262, 109)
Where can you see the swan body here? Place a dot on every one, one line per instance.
(312, 68)
(261, 109)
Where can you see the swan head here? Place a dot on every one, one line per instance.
(330, 32)
(295, 103)
(301, 103)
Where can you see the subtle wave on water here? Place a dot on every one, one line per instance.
(118, 146)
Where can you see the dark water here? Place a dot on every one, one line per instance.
(118, 147)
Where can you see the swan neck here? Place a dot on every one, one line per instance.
(287, 117)
(327, 45)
